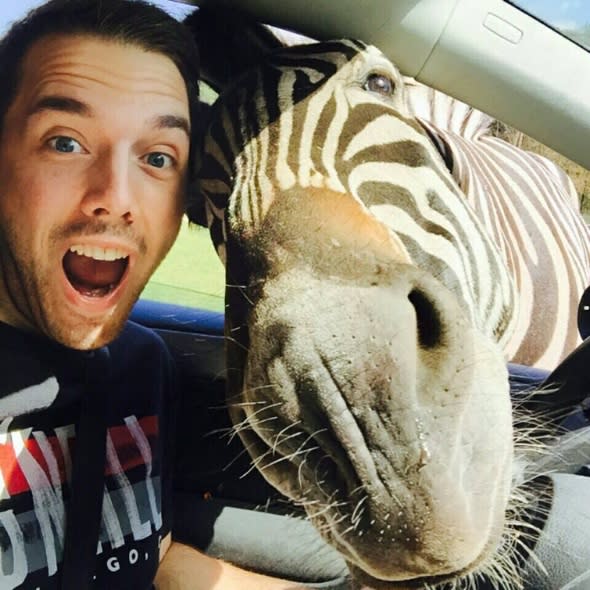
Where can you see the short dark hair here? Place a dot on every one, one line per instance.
(128, 21)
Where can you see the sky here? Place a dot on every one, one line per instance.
(563, 14)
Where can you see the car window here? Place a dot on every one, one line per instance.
(570, 17)
(203, 286)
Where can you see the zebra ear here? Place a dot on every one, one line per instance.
(195, 210)
(229, 41)
(195, 203)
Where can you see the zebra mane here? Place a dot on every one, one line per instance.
(445, 112)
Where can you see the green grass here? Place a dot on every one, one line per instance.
(191, 274)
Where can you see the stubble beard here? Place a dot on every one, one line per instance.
(29, 303)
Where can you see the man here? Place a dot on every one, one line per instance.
(96, 106)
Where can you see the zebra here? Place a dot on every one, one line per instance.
(367, 310)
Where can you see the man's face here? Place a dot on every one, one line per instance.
(93, 163)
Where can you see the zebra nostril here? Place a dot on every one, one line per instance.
(428, 320)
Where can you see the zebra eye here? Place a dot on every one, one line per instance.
(380, 84)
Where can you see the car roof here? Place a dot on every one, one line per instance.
(487, 53)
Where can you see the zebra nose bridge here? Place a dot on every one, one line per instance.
(349, 225)
(334, 235)
(338, 220)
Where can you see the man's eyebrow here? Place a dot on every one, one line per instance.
(172, 122)
(67, 104)
(64, 104)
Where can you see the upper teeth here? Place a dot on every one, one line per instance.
(98, 253)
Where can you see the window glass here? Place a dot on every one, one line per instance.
(569, 17)
(12, 11)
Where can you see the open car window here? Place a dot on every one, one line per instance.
(198, 281)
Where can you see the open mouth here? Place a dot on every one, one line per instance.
(94, 271)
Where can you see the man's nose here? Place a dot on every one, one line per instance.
(109, 191)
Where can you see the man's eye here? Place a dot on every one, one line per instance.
(68, 145)
(159, 160)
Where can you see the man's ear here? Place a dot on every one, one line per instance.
(230, 42)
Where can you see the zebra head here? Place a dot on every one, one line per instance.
(365, 308)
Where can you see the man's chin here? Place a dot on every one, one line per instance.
(86, 333)
(85, 321)
(92, 340)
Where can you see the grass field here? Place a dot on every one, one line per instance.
(191, 274)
